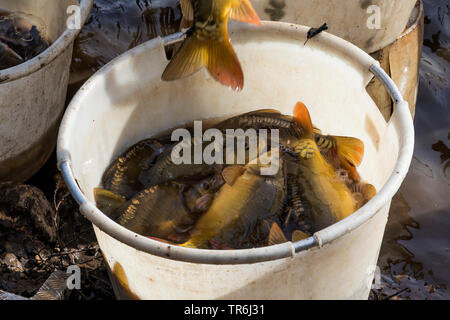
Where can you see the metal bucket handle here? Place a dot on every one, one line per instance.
(401, 119)
(51, 53)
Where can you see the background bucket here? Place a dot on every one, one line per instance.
(126, 102)
(352, 20)
(401, 61)
(32, 94)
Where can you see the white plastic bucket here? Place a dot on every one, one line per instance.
(32, 94)
(126, 102)
(369, 24)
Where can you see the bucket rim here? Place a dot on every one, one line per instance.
(418, 17)
(51, 53)
(401, 116)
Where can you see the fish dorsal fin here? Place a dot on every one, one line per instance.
(303, 119)
(187, 10)
(272, 111)
(105, 198)
(298, 235)
(350, 149)
(276, 235)
(242, 10)
(231, 173)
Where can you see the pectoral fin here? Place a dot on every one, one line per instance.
(298, 235)
(276, 235)
(107, 200)
(203, 203)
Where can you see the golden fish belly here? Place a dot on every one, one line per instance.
(236, 211)
(154, 211)
(330, 199)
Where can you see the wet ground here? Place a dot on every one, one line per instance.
(415, 255)
(416, 249)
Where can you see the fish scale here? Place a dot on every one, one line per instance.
(122, 176)
(295, 203)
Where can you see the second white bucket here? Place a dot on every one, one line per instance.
(126, 102)
(369, 24)
(33, 94)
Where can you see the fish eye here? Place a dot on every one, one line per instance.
(205, 185)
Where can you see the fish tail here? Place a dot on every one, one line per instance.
(188, 59)
(244, 12)
(350, 149)
(223, 64)
(217, 55)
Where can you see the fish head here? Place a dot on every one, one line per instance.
(199, 195)
(209, 184)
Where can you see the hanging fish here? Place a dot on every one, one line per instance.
(207, 43)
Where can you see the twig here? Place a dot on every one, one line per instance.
(395, 294)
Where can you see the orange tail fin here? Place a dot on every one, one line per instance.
(242, 10)
(350, 149)
(218, 57)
